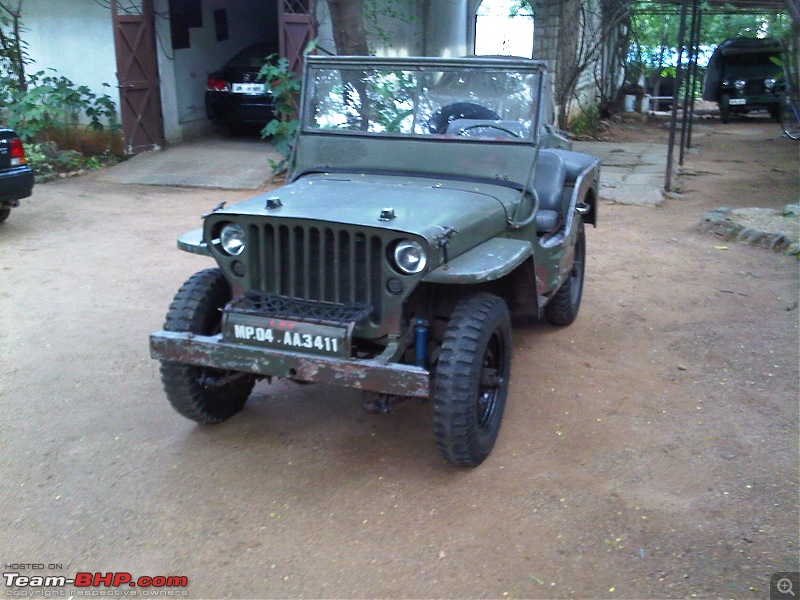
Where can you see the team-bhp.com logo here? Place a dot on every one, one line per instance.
(112, 579)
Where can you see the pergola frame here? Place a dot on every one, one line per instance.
(697, 8)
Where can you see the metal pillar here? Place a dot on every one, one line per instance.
(696, 73)
(676, 96)
(690, 78)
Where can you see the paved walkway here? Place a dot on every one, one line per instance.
(632, 173)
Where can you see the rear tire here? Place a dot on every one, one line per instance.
(563, 307)
(202, 394)
(471, 381)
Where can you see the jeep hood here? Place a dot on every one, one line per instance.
(421, 206)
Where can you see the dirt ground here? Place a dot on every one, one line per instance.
(650, 450)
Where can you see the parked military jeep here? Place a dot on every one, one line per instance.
(428, 200)
(741, 77)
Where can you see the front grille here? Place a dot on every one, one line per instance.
(755, 88)
(325, 264)
(258, 303)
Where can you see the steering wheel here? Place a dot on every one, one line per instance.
(463, 131)
(459, 110)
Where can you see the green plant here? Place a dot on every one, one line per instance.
(285, 86)
(13, 49)
(47, 160)
(586, 122)
(53, 102)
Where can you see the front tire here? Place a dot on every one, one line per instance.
(563, 307)
(471, 381)
(725, 108)
(4, 212)
(202, 394)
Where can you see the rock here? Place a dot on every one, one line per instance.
(766, 227)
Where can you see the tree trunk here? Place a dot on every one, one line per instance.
(347, 19)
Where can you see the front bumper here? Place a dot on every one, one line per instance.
(365, 374)
(239, 108)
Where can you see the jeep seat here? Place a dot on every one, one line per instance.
(551, 173)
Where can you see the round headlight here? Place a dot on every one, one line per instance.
(231, 238)
(769, 84)
(410, 257)
(739, 84)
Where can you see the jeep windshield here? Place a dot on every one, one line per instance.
(463, 99)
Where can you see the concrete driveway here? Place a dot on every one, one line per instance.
(213, 162)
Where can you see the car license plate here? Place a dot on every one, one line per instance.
(249, 89)
(737, 101)
(284, 334)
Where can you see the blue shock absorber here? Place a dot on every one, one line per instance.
(421, 345)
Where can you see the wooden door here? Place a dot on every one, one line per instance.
(137, 74)
(296, 30)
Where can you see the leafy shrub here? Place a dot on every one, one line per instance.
(47, 160)
(586, 122)
(285, 86)
(53, 102)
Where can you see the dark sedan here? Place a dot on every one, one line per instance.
(16, 177)
(233, 96)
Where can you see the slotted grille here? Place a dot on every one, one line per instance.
(317, 263)
(755, 88)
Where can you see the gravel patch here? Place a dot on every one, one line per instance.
(766, 227)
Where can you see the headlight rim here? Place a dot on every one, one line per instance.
(223, 243)
(405, 244)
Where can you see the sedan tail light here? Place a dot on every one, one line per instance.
(17, 153)
(217, 85)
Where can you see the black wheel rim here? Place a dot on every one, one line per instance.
(491, 380)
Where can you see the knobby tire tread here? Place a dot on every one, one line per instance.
(456, 431)
(196, 308)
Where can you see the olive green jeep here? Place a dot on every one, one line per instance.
(427, 201)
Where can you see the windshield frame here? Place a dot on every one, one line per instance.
(315, 64)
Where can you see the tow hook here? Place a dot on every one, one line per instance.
(582, 208)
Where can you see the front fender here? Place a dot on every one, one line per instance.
(488, 261)
(193, 243)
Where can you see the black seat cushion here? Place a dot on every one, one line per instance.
(549, 182)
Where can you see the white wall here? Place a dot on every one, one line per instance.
(76, 38)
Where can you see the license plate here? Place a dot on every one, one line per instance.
(737, 101)
(249, 89)
(284, 334)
